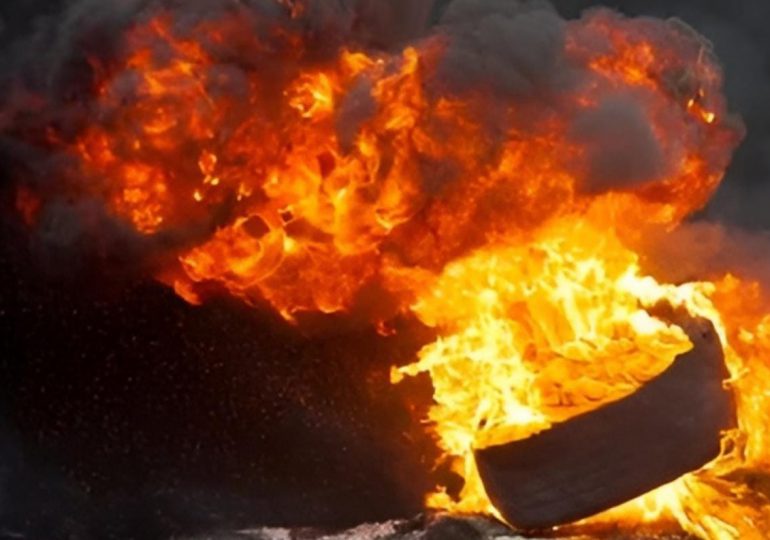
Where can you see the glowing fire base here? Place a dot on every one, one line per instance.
(596, 461)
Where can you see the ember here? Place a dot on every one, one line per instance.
(505, 213)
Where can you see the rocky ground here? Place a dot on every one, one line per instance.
(421, 528)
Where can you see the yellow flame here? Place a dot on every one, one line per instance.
(547, 328)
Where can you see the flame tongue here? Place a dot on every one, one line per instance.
(559, 323)
(598, 460)
(546, 330)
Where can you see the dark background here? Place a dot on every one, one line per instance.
(127, 413)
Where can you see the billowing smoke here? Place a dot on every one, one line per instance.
(728, 235)
(114, 115)
(738, 31)
(47, 73)
(516, 47)
(703, 250)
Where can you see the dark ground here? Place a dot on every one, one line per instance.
(127, 413)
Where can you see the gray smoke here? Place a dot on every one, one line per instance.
(516, 47)
(511, 50)
(731, 234)
(742, 43)
(706, 250)
(622, 148)
(46, 73)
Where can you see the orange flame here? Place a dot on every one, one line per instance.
(556, 325)
(28, 205)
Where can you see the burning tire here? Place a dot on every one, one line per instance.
(601, 459)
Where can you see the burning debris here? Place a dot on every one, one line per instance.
(492, 176)
(442, 527)
(602, 459)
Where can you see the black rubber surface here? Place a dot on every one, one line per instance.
(598, 460)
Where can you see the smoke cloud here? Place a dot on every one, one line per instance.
(738, 31)
(705, 250)
(515, 47)
(622, 148)
(509, 51)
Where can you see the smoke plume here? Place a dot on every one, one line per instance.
(74, 84)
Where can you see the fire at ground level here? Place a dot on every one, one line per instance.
(436, 527)
(121, 450)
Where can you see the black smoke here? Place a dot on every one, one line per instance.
(730, 235)
(512, 51)
(738, 31)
